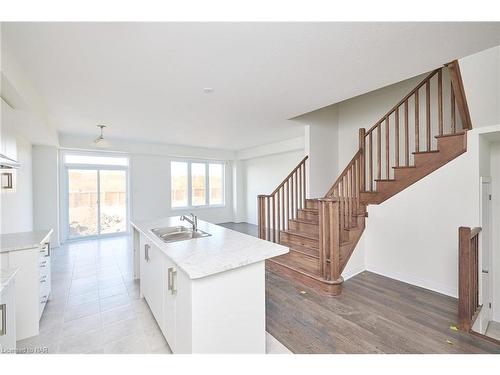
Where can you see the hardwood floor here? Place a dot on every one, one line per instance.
(246, 228)
(374, 314)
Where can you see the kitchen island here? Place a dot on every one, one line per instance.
(207, 294)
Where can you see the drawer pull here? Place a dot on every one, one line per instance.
(3, 321)
(43, 279)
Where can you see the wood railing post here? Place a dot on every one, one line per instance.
(362, 146)
(261, 217)
(459, 93)
(468, 272)
(329, 232)
(464, 278)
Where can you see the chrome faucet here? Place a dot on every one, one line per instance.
(193, 221)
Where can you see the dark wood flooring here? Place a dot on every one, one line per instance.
(246, 228)
(374, 314)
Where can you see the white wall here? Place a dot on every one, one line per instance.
(150, 191)
(481, 77)
(413, 236)
(17, 207)
(46, 190)
(321, 144)
(263, 174)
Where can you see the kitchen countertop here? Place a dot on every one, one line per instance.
(23, 240)
(224, 250)
(6, 276)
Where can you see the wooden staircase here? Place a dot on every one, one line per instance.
(322, 233)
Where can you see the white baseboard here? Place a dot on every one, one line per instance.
(353, 272)
(413, 280)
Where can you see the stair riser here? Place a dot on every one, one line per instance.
(327, 289)
(307, 228)
(313, 252)
(312, 203)
(299, 240)
(455, 143)
(308, 216)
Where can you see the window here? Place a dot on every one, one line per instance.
(95, 160)
(196, 184)
(179, 183)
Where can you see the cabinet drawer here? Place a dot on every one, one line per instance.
(44, 251)
(44, 264)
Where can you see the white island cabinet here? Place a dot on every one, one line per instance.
(206, 294)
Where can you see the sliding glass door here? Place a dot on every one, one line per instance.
(97, 202)
(95, 197)
(112, 201)
(82, 202)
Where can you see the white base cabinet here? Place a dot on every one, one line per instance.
(33, 286)
(8, 319)
(220, 313)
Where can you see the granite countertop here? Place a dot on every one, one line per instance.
(23, 240)
(224, 250)
(6, 276)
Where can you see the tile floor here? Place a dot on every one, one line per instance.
(95, 305)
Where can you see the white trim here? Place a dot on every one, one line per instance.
(353, 272)
(416, 281)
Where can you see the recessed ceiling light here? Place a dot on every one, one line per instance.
(208, 90)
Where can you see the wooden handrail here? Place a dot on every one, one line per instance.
(381, 158)
(290, 174)
(401, 102)
(468, 276)
(459, 92)
(276, 209)
(343, 174)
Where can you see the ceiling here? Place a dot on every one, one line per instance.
(146, 80)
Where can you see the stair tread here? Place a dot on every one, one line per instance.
(385, 179)
(425, 152)
(449, 135)
(405, 167)
(299, 262)
(311, 210)
(301, 234)
(304, 221)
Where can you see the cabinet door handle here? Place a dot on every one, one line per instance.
(3, 310)
(48, 249)
(146, 252)
(172, 276)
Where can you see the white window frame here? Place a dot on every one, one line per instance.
(207, 185)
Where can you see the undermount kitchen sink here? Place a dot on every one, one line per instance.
(178, 233)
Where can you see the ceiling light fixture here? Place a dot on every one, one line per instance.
(100, 141)
(208, 90)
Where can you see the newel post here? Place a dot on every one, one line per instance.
(329, 239)
(362, 136)
(261, 217)
(464, 295)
